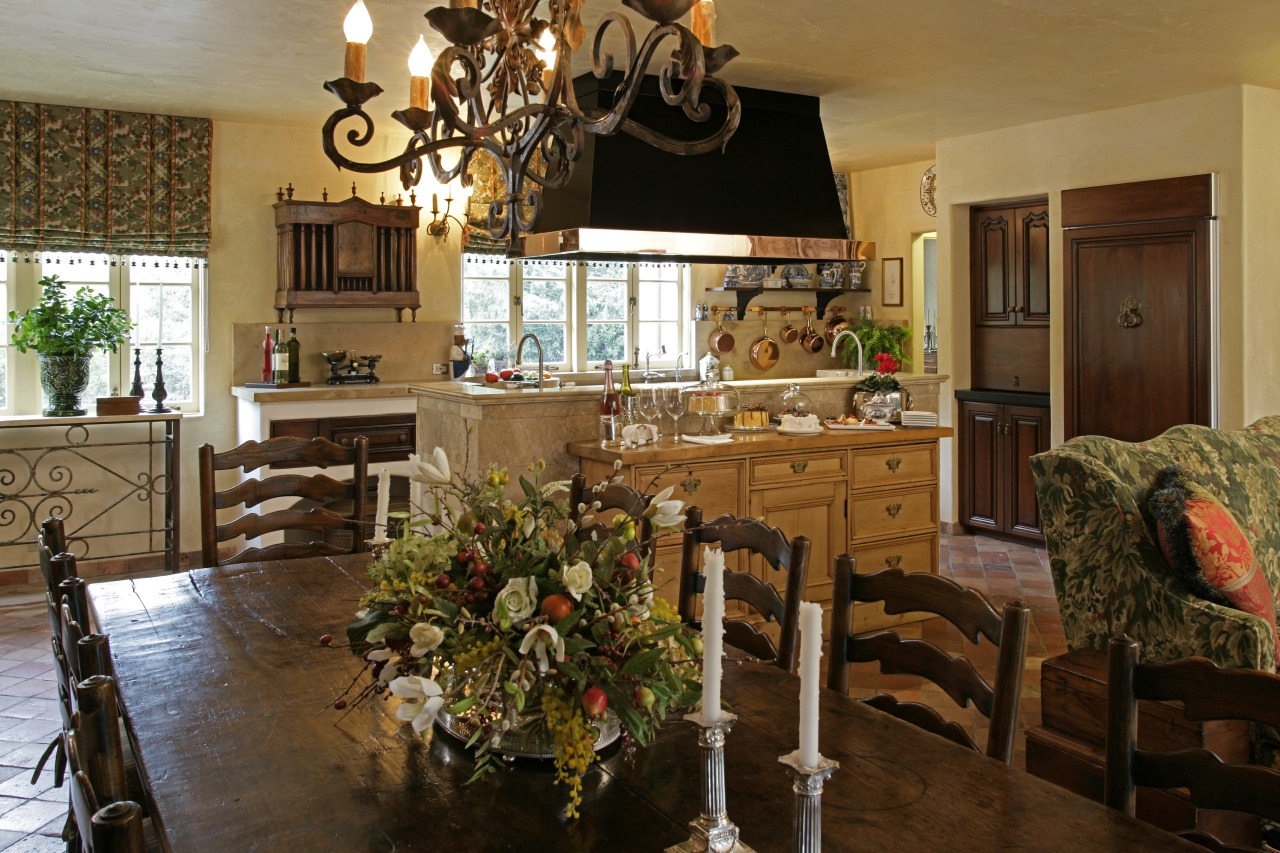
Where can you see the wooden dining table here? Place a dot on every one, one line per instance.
(228, 697)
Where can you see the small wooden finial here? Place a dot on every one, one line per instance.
(324, 194)
(280, 194)
(413, 197)
(289, 190)
(382, 197)
(353, 188)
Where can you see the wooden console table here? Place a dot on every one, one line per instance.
(90, 471)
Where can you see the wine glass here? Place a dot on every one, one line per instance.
(674, 404)
(648, 405)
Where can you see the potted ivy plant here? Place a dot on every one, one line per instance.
(65, 331)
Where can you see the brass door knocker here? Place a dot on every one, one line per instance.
(1130, 313)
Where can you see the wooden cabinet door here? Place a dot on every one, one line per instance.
(993, 266)
(980, 427)
(1031, 251)
(1028, 435)
(815, 510)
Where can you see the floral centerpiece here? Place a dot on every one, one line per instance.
(507, 613)
(883, 379)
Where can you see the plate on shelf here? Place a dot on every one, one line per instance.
(796, 274)
(869, 427)
(782, 431)
(748, 275)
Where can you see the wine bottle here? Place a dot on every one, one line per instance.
(295, 355)
(280, 361)
(628, 396)
(268, 369)
(610, 410)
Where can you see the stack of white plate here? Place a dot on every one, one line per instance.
(919, 419)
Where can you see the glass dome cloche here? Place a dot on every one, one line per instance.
(712, 400)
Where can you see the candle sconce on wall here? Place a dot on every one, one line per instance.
(439, 224)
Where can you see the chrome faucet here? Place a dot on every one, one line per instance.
(836, 340)
(679, 358)
(652, 374)
(537, 343)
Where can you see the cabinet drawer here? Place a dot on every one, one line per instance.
(797, 468)
(715, 487)
(914, 554)
(391, 437)
(887, 514)
(893, 466)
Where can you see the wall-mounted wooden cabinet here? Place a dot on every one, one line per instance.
(1010, 256)
(346, 254)
(997, 493)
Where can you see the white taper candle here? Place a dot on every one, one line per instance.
(384, 504)
(712, 633)
(810, 658)
(415, 488)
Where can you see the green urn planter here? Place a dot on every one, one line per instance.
(64, 377)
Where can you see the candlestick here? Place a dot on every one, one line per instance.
(358, 27)
(810, 661)
(384, 504)
(415, 488)
(713, 831)
(712, 632)
(807, 782)
(703, 20)
(158, 392)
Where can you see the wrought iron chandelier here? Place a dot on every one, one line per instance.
(504, 87)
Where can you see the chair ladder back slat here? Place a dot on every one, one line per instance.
(956, 676)
(254, 492)
(1233, 689)
(923, 717)
(304, 452)
(1211, 783)
(905, 592)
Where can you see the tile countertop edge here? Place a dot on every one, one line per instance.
(325, 392)
(670, 451)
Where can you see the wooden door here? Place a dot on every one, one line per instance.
(1028, 434)
(992, 277)
(1032, 253)
(816, 510)
(980, 464)
(1137, 296)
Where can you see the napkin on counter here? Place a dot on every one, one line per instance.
(708, 439)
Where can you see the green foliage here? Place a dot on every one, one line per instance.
(77, 325)
(875, 339)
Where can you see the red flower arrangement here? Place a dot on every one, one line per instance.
(883, 379)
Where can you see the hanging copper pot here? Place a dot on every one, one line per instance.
(764, 352)
(789, 334)
(721, 342)
(811, 341)
(835, 326)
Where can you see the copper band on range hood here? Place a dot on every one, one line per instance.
(602, 244)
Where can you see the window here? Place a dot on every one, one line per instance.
(4, 344)
(583, 313)
(162, 296)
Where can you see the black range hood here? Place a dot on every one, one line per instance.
(769, 196)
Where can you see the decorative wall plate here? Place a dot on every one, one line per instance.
(928, 186)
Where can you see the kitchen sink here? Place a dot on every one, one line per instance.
(838, 373)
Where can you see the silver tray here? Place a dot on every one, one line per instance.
(521, 743)
(769, 428)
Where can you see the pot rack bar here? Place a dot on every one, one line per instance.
(824, 296)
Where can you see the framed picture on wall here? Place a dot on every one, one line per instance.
(891, 279)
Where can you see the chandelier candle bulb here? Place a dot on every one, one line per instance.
(703, 19)
(358, 28)
(384, 504)
(712, 633)
(810, 659)
(420, 62)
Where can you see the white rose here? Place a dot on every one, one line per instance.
(520, 597)
(577, 579)
(425, 638)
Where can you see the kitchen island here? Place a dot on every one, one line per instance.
(873, 494)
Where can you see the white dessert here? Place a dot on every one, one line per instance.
(800, 423)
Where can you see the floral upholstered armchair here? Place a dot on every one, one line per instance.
(1108, 571)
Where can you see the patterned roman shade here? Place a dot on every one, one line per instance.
(486, 185)
(91, 180)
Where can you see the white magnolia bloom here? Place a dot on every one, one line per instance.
(577, 579)
(436, 472)
(539, 638)
(664, 511)
(425, 638)
(421, 714)
(520, 596)
(530, 524)
(388, 659)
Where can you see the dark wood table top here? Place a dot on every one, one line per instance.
(227, 693)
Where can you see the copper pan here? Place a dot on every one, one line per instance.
(721, 342)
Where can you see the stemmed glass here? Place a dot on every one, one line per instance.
(648, 405)
(674, 403)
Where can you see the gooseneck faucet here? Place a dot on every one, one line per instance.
(530, 336)
(836, 340)
(679, 358)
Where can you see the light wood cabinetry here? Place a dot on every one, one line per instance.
(874, 495)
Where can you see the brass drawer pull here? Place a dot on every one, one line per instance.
(893, 463)
(690, 484)
(404, 436)
(893, 561)
(800, 467)
(893, 509)
(344, 441)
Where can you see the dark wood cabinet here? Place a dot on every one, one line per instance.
(997, 491)
(1010, 256)
(391, 437)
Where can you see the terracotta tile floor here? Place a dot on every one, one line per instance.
(32, 816)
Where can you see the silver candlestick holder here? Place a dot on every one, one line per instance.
(713, 832)
(807, 782)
